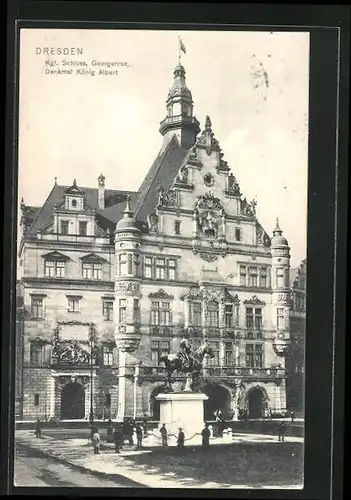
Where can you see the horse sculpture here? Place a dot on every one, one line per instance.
(188, 362)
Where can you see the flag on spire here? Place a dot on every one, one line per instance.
(181, 45)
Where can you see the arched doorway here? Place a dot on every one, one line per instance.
(154, 404)
(256, 403)
(72, 401)
(219, 398)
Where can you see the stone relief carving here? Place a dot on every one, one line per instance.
(152, 220)
(248, 208)
(233, 186)
(125, 286)
(127, 344)
(284, 298)
(70, 352)
(183, 175)
(254, 300)
(208, 256)
(262, 237)
(209, 201)
(208, 179)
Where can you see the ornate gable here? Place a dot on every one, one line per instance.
(254, 301)
(55, 255)
(92, 257)
(161, 294)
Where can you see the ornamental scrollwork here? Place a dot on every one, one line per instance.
(262, 237)
(208, 256)
(207, 139)
(152, 221)
(125, 286)
(248, 208)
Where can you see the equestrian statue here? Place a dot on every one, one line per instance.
(186, 361)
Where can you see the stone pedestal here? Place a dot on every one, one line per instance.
(185, 410)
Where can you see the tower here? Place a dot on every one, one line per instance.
(127, 299)
(180, 120)
(281, 290)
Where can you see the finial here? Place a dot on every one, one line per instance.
(55, 179)
(128, 211)
(74, 183)
(101, 179)
(208, 123)
(277, 229)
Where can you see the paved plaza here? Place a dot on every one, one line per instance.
(249, 461)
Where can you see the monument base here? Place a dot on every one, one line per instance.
(185, 410)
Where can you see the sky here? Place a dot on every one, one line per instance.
(253, 85)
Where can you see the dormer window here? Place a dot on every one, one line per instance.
(55, 265)
(83, 225)
(92, 266)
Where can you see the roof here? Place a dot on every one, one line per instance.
(161, 173)
(56, 197)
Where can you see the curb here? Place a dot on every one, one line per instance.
(81, 468)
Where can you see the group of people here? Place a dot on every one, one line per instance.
(181, 437)
(122, 431)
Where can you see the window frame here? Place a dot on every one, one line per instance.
(37, 316)
(107, 310)
(161, 315)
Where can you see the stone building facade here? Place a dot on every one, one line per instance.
(114, 279)
(295, 359)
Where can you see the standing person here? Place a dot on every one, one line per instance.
(139, 435)
(269, 412)
(38, 429)
(93, 429)
(117, 438)
(109, 432)
(292, 416)
(206, 436)
(281, 431)
(180, 439)
(164, 435)
(96, 442)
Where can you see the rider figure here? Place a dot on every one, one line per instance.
(185, 347)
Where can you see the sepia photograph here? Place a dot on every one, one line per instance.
(161, 258)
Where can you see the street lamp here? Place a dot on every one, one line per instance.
(91, 340)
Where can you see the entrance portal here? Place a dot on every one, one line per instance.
(256, 403)
(219, 398)
(72, 401)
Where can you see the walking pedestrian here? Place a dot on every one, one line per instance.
(38, 429)
(117, 438)
(96, 442)
(281, 431)
(139, 435)
(180, 439)
(164, 435)
(205, 436)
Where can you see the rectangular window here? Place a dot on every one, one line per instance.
(107, 355)
(280, 277)
(249, 318)
(83, 228)
(73, 304)
(37, 308)
(263, 278)
(253, 277)
(172, 264)
(36, 399)
(122, 310)
(49, 269)
(122, 264)
(213, 314)
(215, 360)
(107, 310)
(64, 227)
(108, 400)
(160, 269)
(258, 356)
(254, 355)
(130, 263)
(196, 313)
(229, 355)
(258, 319)
(280, 318)
(97, 271)
(177, 227)
(148, 267)
(158, 349)
(228, 313)
(36, 353)
(160, 313)
(237, 234)
(154, 353)
(250, 355)
(60, 269)
(87, 270)
(136, 311)
(242, 275)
